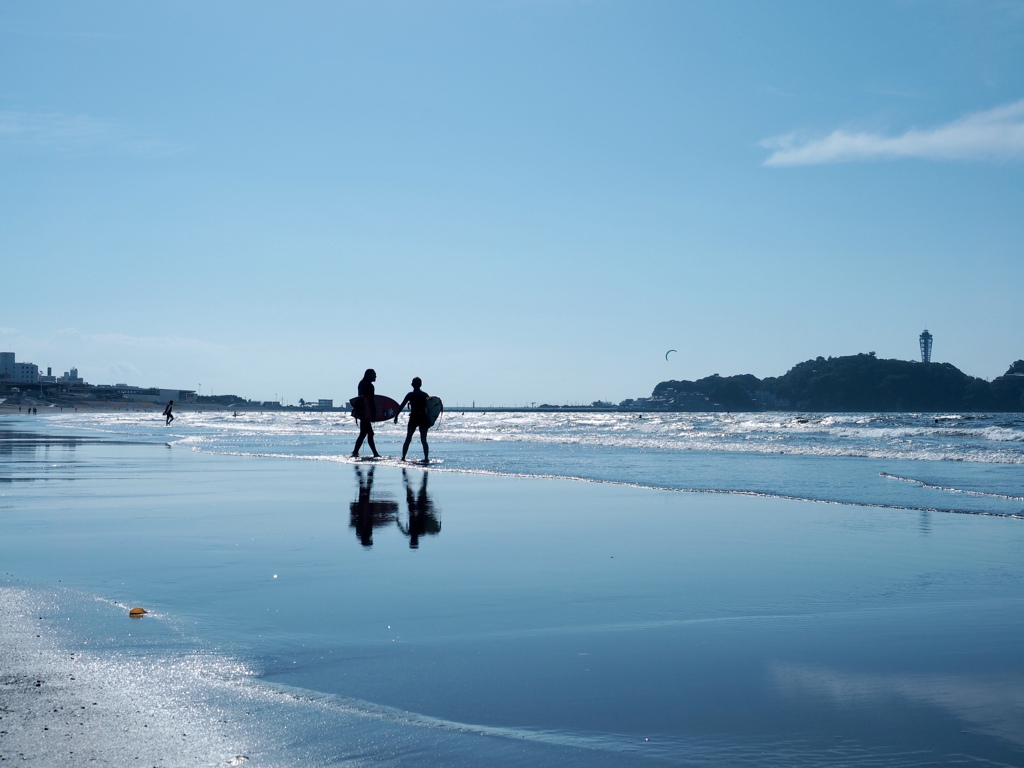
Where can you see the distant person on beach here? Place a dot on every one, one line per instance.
(369, 413)
(168, 413)
(417, 400)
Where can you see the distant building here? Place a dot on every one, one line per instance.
(71, 377)
(926, 346)
(12, 372)
(26, 373)
(324, 403)
(144, 394)
(769, 400)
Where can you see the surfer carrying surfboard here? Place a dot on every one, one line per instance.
(168, 412)
(418, 418)
(368, 415)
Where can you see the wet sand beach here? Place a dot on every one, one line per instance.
(319, 613)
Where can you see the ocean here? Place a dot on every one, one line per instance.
(965, 463)
(570, 589)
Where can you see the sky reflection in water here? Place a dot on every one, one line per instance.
(601, 624)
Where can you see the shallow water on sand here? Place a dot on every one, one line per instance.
(964, 463)
(338, 613)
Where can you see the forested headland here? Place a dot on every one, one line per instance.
(851, 383)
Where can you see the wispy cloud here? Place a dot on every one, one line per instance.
(995, 134)
(76, 134)
(115, 357)
(993, 705)
(169, 343)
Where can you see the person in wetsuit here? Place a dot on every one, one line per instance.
(417, 400)
(168, 413)
(366, 392)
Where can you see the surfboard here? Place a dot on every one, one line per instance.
(434, 408)
(386, 407)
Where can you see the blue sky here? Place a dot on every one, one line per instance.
(517, 201)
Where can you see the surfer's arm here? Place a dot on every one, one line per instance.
(401, 408)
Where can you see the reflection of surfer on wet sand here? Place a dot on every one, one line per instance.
(367, 513)
(423, 518)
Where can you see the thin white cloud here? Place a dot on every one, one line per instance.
(996, 134)
(75, 134)
(118, 357)
(176, 344)
(992, 705)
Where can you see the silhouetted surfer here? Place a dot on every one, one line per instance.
(417, 400)
(369, 413)
(168, 414)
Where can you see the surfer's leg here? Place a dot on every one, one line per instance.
(359, 440)
(369, 439)
(423, 439)
(408, 438)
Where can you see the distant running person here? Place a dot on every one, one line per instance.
(417, 400)
(168, 413)
(367, 393)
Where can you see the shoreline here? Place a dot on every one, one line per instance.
(7, 407)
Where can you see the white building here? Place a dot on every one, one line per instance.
(12, 372)
(26, 373)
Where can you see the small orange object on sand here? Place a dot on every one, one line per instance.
(136, 613)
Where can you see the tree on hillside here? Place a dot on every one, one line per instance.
(731, 396)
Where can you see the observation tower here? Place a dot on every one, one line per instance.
(926, 346)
